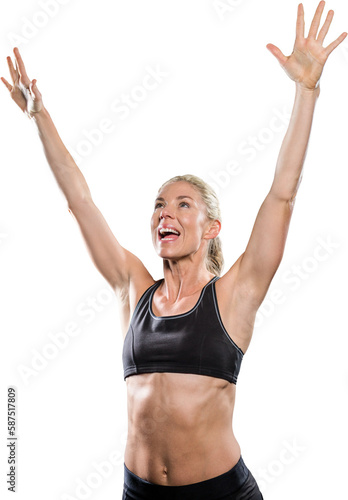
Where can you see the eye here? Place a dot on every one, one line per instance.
(158, 203)
(184, 202)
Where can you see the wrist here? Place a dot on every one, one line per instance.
(301, 89)
(37, 115)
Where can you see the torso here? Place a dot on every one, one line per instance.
(180, 425)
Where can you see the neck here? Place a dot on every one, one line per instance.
(182, 280)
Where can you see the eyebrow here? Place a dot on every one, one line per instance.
(178, 198)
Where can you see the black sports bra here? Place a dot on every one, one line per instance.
(192, 342)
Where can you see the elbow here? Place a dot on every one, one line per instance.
(286, 193)
(78, 203)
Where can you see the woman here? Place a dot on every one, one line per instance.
(186, 334)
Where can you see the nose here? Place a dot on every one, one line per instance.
(166, 212)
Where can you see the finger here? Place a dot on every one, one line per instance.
(8, 85)
(335, 44)
(12, 70)
(34, 90)
(313, 30)
(326, 26)
(21, 67)
(300, 22)
(277, 53)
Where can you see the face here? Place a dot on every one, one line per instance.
(179, 224)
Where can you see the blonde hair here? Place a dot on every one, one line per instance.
(215, 259)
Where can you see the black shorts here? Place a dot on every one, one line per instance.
(235, 484)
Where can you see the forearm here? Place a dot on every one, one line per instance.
(288, 173)
(67, 174)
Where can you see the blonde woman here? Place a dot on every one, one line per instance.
(185, 335)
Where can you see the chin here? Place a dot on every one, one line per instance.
(167, 253)
(164, 254)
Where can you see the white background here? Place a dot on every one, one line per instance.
(222, 87)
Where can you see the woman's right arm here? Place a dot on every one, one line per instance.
(118, 266)
(110, 258)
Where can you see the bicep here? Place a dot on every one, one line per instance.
(263, 254)
(112, 260)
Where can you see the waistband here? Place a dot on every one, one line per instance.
(229, 481)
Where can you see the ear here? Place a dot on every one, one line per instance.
(213, 230)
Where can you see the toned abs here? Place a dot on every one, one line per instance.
(180, 427)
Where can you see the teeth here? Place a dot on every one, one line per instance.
(168, 230)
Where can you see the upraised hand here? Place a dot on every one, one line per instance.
(24, 92)
(305, 65)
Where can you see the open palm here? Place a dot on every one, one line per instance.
(305, 64)
(23, 91)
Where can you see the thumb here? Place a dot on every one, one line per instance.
(34, 90)
(277, 53)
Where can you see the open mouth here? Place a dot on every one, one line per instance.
(168, 234)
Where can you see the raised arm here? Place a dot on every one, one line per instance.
(260, 261)
(115, 263)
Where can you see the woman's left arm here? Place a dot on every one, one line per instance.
(304, 67)
(263, 254)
